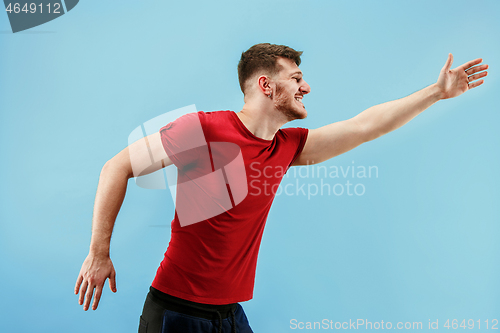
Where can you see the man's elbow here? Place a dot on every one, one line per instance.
(364, 132)
(118, 165)
(369, 130)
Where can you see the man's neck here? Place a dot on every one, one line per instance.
(261, 121)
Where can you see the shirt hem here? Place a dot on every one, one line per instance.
(200, 299)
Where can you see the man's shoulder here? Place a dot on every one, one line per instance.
(206, 118)
(216, 118)
(216, 114)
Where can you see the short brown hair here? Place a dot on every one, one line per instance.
(263, 57)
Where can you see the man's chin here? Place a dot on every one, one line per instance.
(297, 114)
(293, 112)
(304, 114)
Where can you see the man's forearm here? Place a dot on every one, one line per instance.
(384, 118)
(109, 198)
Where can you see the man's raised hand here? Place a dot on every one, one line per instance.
(93, 274)
(454, 82)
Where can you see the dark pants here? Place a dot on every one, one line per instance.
(163, 313)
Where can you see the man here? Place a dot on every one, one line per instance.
(210, 263)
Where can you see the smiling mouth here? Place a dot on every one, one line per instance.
(299, 100)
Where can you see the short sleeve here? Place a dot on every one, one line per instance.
(183, 140)
(296, 139)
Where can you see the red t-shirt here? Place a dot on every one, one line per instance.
(235, 175)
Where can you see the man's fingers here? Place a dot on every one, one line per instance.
(88, 297)
(476, 69)
(97, 297)
(475, 84)
(112, 281)
(477, 76)
(83, 290)
(471, 63)
(78, 283)
(447, 65)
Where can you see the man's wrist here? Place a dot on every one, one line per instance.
(435, 92)
(100, 250)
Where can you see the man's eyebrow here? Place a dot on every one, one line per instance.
(297, 72)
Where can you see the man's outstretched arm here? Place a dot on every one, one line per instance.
(133, 161)
(337, 138)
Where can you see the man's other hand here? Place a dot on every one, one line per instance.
(95, 270)
(454, 82)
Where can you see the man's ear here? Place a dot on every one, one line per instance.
(264, 83)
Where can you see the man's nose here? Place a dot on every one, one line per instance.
(305, 88)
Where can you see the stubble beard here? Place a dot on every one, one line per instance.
(287, 105)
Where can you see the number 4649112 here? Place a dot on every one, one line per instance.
(53, 8)
(470, 324)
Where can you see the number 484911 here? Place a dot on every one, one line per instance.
(53, 8)
(470, 324)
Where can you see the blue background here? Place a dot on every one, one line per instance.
(420, 244)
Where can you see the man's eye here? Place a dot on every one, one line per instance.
(297, 78)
